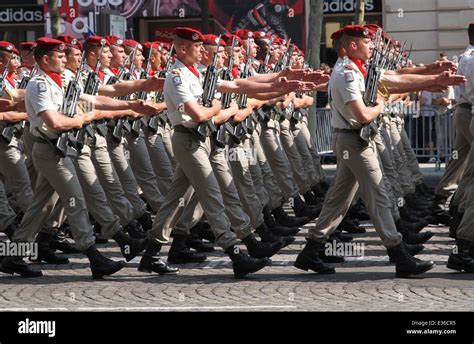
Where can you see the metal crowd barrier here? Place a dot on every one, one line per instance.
(431, 137)
(324, 131)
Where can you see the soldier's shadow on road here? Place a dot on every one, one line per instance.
(224, 274)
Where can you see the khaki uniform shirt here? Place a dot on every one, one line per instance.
(345, 85)
(42, 94)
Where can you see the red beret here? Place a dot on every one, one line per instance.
(244, 34)
(337, 34)
(228, 37)
(188, 34)
(70, 41)
(7, 46)
(261, 35)
(357, 31)
(213, 40)
(149, 45)
(97, 41)
(27, 45)
(372, 27)
(279, 41)
(114, 40)
(51, 44)
(131, 43)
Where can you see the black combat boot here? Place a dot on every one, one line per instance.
(243, 264)
(414, 227)
(129, 247)
(99, 237)
(284, 219)
(267, 236)
(350, 226)
(100, 265)
(319, 190)
(439, 203)
(439, 210)
(197, 243)
(309, 259)
(406, 264)
(311, 199)
(45, 253)
(146, 221)
(150, 261)
(135, 230)
(330, 257)
(60, 243)
(275, 227)
(412, 249)
(180, 253)
(301, 209)
(338, 235)
(416, 203)
(16, 265)
(410, 237)
(359, 212)
(260, 249)
(461, 259)
(411, 215)
(204, 231)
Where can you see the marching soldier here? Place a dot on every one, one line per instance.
(101, 158)
(44, 97)
(115, 145)
(57, 175)
(13, 167)
(94, 194)
(182, 92)
(26, 70)
(462, 258)
(154, 134)
(140, 161)
(358, 164)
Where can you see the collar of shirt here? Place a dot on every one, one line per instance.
(10, 79)
(56, 77)
(360, 64)
(182, 66)
(100, 73)
(50, 79)
(235, 72)
(68, 75)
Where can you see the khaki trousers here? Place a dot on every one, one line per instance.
(358, 166)
(193, 169)
(56, 177)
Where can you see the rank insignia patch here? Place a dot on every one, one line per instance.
(42, 87)
(177, 80)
